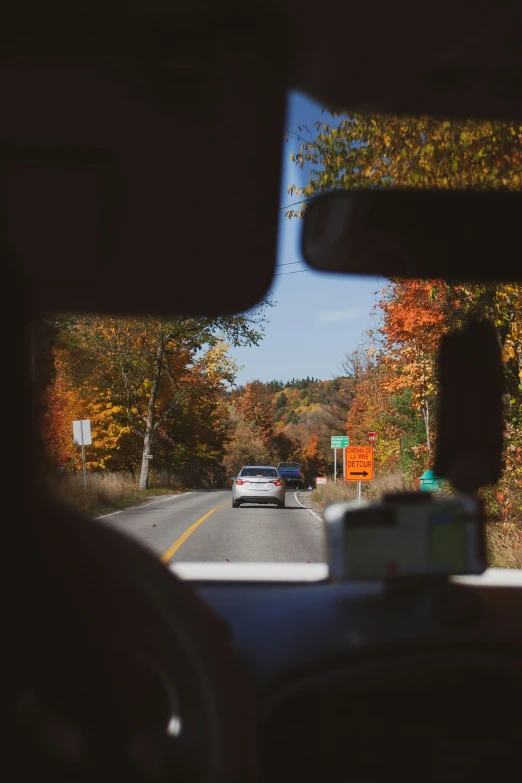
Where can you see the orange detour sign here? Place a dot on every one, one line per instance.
(359, 464)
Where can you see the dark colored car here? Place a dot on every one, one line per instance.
(292, 474)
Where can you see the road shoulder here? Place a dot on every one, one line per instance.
(304, 499)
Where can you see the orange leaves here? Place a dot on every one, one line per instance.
(415, 310)
(310, 456)
(63, 405)
(415, 316)
(372, 410)
(256, 406)
(311, 449)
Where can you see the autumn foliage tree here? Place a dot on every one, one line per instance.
(365, 151)
(245, 445)
(145, 382)
(256, 407)
(415, 317)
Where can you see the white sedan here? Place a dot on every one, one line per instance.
(258, 484)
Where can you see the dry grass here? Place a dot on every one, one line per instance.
(504, 542)
(371, 490)
(107, 491)
(503, 538)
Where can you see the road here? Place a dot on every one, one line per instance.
(202, 526)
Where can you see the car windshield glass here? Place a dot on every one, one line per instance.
(264, 472)
(333, 375)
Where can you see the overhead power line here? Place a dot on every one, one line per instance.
(298, 272)
(295, 203)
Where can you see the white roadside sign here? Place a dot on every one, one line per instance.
(82, 432)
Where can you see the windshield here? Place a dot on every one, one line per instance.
(148, 421)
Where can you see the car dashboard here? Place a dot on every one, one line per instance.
(376, 679)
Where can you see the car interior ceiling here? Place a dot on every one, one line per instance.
(120, 136)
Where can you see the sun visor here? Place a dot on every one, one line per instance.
(143, 178)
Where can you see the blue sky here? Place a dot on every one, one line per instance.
(319, 317)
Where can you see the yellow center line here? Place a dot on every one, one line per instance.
(181, 540)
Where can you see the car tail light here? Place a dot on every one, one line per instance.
(277, 482)
(241, 481)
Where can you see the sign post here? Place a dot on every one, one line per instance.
(82, 437)
(338, 442)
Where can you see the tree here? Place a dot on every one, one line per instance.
(147, 371)
(311, 459)
(245, 446)
(62, 405)
(284, 447)
(281, 401)
(256, 407)
(372, 150)
(414, 321)
(507, 315)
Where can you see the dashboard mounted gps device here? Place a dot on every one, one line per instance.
(406, 535)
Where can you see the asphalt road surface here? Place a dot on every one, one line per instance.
(202, 526)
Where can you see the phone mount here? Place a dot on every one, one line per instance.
(413, 536)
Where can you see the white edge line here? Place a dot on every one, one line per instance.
(307, 509)
(130, 508)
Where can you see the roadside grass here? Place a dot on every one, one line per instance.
(504, 544)
(503, 537)
(371, 490)
(503, 504)
(108, 491)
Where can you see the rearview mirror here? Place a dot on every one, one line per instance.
(413, 233)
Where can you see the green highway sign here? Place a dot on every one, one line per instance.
(339, 441)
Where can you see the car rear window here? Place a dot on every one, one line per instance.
(264, 472)
(289, 466)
